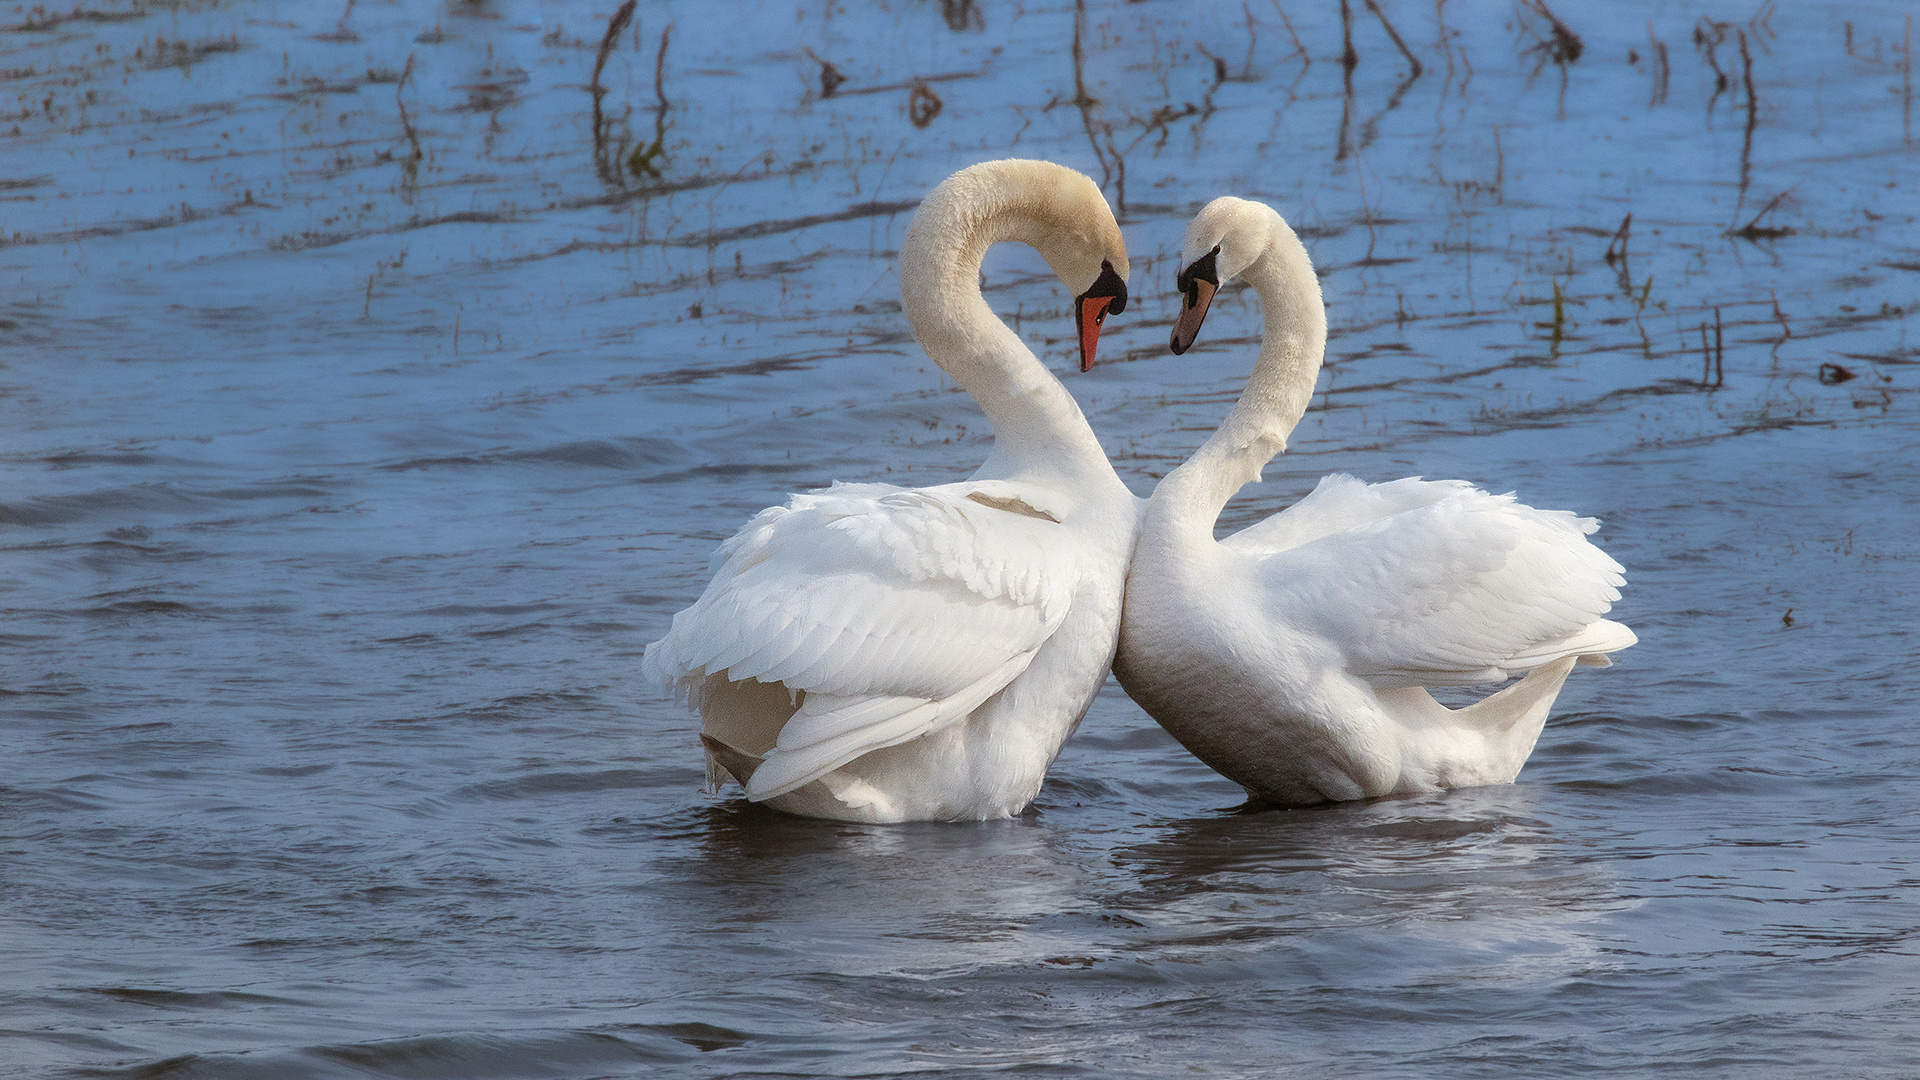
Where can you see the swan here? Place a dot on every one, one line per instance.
(881, 654)
(1294, 656)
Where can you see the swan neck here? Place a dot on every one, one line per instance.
(1037, 425)
(1293, 341)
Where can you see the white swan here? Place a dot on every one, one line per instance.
(875, 653)
(1293, 656)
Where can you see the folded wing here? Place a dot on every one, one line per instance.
(884, 612)
(1435, 584)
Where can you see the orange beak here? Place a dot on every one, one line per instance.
(1092, 315)
(1108, 293)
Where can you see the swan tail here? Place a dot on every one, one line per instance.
(828, 731)
(726, 763)
(1589, 645)
(1525, 704)
(846, 729)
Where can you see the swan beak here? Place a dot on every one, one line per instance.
(1192, 314)
(1093, 312)
(1197, 284)
(1107, 295)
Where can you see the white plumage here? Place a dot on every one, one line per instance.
(1294, 656)
(877, 653)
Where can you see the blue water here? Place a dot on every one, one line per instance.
(349, 459)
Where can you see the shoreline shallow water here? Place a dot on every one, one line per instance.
(362, 417)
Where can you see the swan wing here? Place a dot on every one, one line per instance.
(1337, 503)
(1466, 588)
(886, 612)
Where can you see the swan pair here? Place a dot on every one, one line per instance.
(875, 653)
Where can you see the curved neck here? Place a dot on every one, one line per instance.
(1037, 426)
(1277, 394)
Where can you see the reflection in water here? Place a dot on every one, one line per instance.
(1476, 870)
(883, 899)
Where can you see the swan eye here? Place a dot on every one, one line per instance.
(1205, 268)
(1110, 286)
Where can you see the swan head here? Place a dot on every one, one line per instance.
(1069, 223)
(1223, 239)
(1057, 211)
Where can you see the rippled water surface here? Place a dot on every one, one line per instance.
(372, 390)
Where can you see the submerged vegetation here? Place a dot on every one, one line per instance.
(1449, 167)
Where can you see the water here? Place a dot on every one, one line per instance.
(362, 422)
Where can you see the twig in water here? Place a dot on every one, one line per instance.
(1080, 98)
(1360, 172)
(621, 17)
(1906, 84)
(830, 77)
(1559, 314)
(1662, 70)
(1712, 374)
(1343, 146)
(340, 32)
(1753, 120)
(1562, 46)
(645, 162)
(659, 79)
(1617, 247)
(410, 168)
(1219, 69)
(1719, 353)
(962, 15)
(1246, 69)
(1707, 37)
(1786, 331)
(1371, 128)
(1395, 35)
(1111, 165)
(922, 105)
(1753, 230)
(1299, 49)
(1348, 58)
(1499, 168)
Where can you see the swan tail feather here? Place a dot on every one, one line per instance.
(1524, 704)
(726, 763)
(828, 732)
(1590, 645)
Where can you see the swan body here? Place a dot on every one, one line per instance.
(1294, 657)
(878, 653)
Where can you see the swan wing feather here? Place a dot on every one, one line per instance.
(1337, 503)
(885, 608)
(1466, 588)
